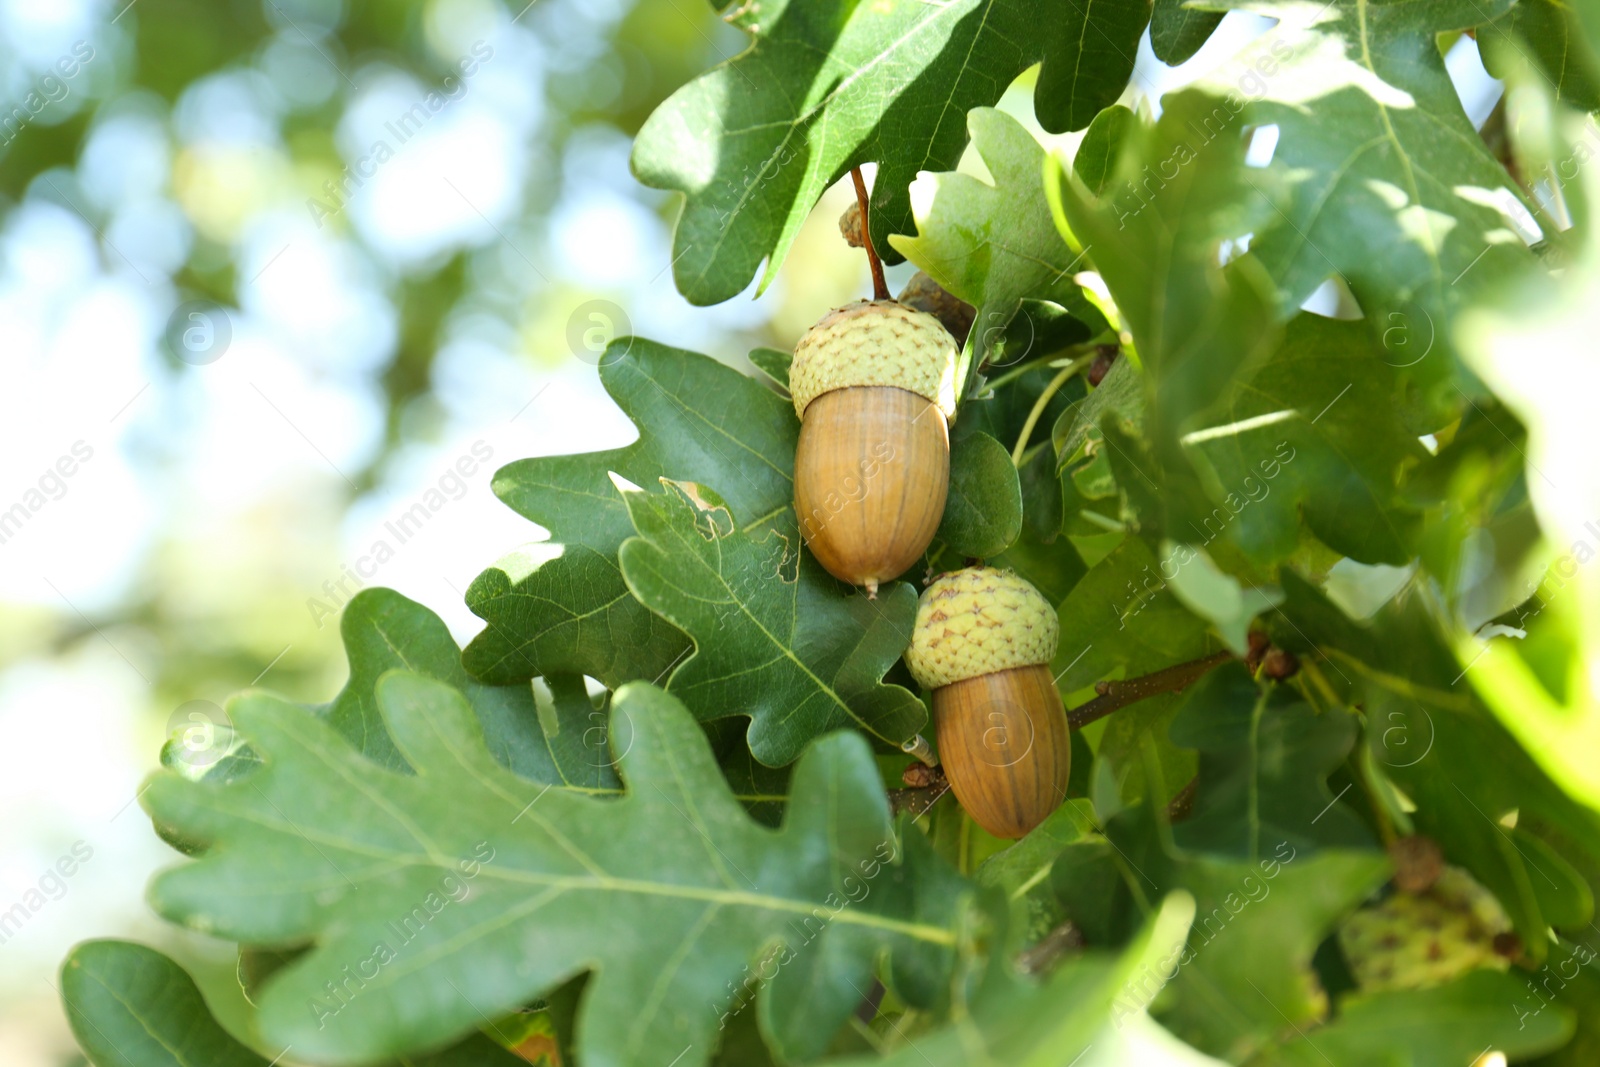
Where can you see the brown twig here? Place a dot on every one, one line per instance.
(1180, 806)
(1040, 958)
(1114, 695)
(880, 288)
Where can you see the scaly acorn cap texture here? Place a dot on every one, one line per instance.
(978, 621)
(875, 342)
(1416, 940)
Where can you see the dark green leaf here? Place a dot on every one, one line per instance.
(1449, 755)
(382, 631)
(1102, 40)
(555, 608)
(1096, 160)
(1023, 1025)
(1314, 434)
(1378, 177)
(1120, 395)
(775, 638)
(1177, 32)
(130, 1006)
(1444, 1026)
(1120, 621)
(1570, 978)
(1155, 236)
(1549, 34)
(774, 363)
(1246, 971)
(1254, 936)
(1264, 762)
(829, 84)
(563, 607)
(983, 512)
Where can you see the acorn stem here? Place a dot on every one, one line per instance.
(919, 748)
(1114, 695)
(880, 288)
(1044, 401)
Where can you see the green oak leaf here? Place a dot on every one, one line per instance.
(563, 607)
(1017, 868)
(1432, 737)
(554, 607)
(1121, 621)
(1264, 761)
(436, 900)
(1313, 435)
(1102, 41)
(1041, 554)
(1548, 33)
(1443, 1026)
(1136, 741)
(1253, 941)
(382, 631)
(1095, 162)
(983, 511)
(1056, 1022)
(1155, 235)
(991, 244)
(774, 363)
(1120, 395)
(131, 1006)
(1177, 31)
(1246, 970)
(827, 85)
(559, 742)
(774, 639)
(1570, 977)
(1022, 871)
(1378, 177)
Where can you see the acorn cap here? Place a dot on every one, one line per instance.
(875, 342)
(978, 621)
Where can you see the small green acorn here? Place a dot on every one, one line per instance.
(1416, 940)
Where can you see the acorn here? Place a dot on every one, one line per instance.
(1417, 940)
(874, 385)
(982, 643)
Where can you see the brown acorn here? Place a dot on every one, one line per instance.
(983, 642)
(874, 385)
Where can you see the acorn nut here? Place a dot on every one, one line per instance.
(874, 385)
(982, 643)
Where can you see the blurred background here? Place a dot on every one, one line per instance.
(270, 270)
